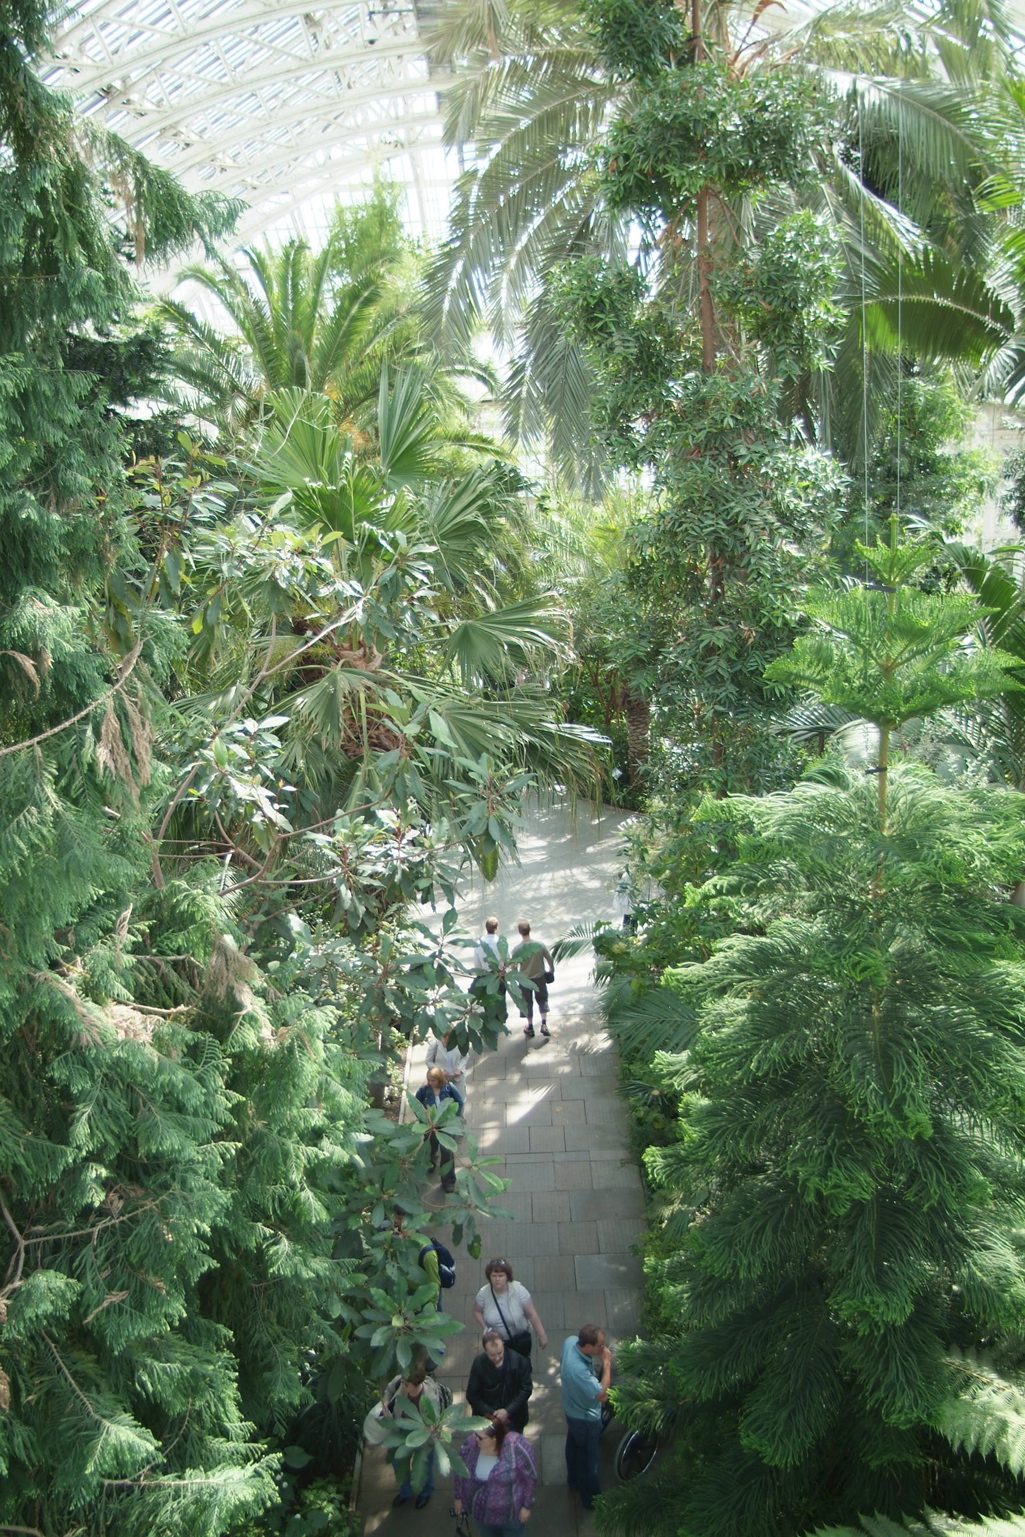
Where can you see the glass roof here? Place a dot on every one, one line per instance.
(284, 107)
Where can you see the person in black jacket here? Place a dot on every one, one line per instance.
(500, 1383)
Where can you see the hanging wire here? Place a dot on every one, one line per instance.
(864, 329)
(900, 292)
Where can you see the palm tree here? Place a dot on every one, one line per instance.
(907, 141)
(325, 321)
(353, 646)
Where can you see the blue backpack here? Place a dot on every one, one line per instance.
(446, 1262)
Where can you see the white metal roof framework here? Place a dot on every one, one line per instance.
(283, 107)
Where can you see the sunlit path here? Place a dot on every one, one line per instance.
(552, 1112)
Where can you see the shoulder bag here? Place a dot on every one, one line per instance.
(519, 1342)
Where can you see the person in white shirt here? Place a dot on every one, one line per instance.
(490, 951)
(504, 1305)
(445, 1055)
(486, 947)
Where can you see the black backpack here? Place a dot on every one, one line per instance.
(446, 1262)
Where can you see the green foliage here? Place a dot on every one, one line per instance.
(1013, 498)
(704, 125)
(637, 40)
(888, 653)
(920, 467)
(931, 1526)
(986, 1413)
(839, 1047)
(204, 896)
(839, 1207)
(319, 1508)
(324, 321)
(688, 390)
(784, 294)
(908, 173)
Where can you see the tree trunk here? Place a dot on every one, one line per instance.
(638, 726)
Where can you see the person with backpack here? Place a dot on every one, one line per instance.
(500, 1383)
(415, 1387)
(439, 1264)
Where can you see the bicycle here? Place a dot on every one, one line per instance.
(635, 1454)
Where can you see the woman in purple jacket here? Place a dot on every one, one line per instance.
(498, 1489)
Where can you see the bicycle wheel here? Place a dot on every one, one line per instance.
(635, 1454)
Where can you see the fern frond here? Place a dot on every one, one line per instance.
(986, 1414)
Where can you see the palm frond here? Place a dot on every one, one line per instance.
(495, 643)
(659, 1020)
(578, 941)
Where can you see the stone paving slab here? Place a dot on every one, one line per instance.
(569, 1112)
(550, 1206)
(573, 1174)
(606, 1205)
(600, 1271)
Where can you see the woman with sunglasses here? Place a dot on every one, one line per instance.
(500, 1480)
(504, 1305)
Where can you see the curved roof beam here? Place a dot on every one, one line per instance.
(131, 86)
(163, 48)
(257, 218)
(204, 150)
(314, 179)
(215, 100)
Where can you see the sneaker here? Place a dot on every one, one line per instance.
(528, 1031)
(544, 1027)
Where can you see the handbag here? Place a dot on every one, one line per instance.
(549, 978)
(521, 1341)
(375, 1431)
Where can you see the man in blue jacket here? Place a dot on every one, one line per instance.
(586, 1373)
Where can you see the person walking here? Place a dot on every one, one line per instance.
(488, 993)
(504, 1305)
(533, 960)
(487, 945)
(500, 1481)
(500, 1385)
(586, 1371)
(418, 1385)
(444, 1053)
(432, 1095)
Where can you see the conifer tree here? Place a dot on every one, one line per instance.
(183, 1131)
(850, 1168)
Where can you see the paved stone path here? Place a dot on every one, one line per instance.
(552, 1112)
